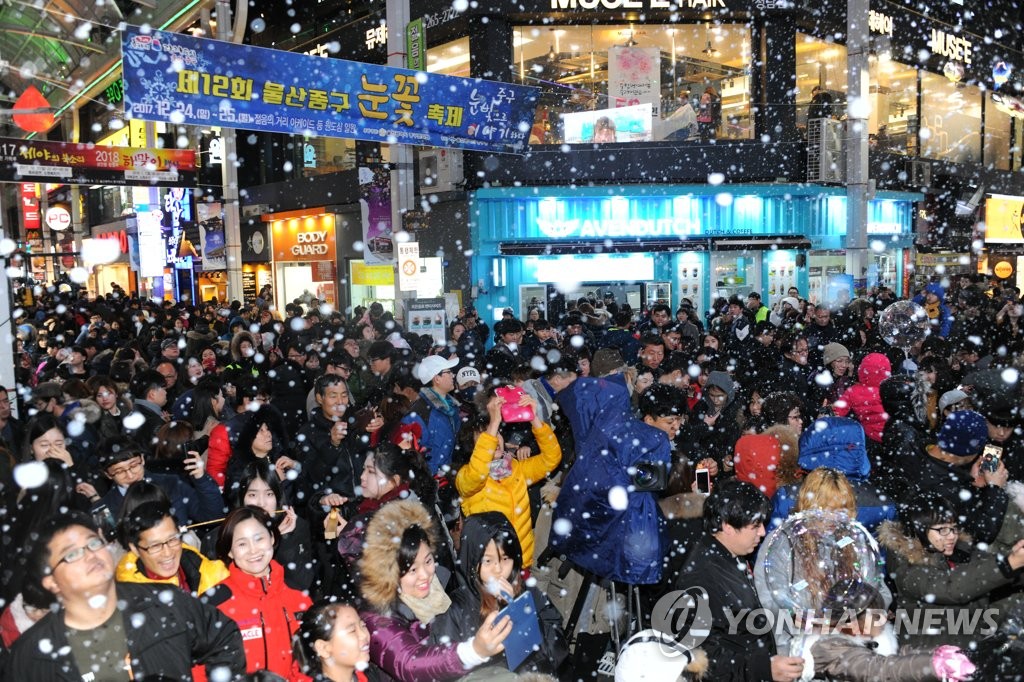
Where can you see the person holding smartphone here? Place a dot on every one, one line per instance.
(496, 479)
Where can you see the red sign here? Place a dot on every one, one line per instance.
(30, 206)
(86, 163)
(121, 236)
(324, 271)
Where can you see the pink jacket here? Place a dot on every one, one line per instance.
(864, 400)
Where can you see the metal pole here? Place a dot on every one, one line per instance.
(858, 108)
(402, 178)
(229, 176)
(71, 133)
(6, 315)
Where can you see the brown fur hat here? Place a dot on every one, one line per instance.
(379, 564)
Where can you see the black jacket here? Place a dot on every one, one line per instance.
(741, 656)
(165, 638)
(326, 468)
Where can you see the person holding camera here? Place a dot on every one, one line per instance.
(498, 473)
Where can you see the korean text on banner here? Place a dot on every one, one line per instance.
(180, 79)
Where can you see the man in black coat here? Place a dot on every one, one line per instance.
(734, 518)
(109, 630)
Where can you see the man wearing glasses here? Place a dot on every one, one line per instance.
(123, 462)
(105, 630)
(156, 553)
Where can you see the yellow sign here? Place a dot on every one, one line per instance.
(372, 275)
(1003, 220)
(1003, 269)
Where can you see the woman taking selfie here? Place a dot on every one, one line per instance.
(496, 478)
(403, 589)
(490, 554)
(255, 595)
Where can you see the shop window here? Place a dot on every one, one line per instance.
(320, 155)
(950, 120)
(450, 59)
(998, 134)
(892, 125)
(636, 83)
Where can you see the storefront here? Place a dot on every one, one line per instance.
(106, 252)
(658, 243)
(1003, 256)
(303, 244)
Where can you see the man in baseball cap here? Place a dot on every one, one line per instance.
(436, 412)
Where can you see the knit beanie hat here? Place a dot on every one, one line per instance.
(963, 434)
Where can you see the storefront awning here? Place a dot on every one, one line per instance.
(535, 248)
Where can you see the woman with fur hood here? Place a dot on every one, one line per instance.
(935, 567)
(403, 590)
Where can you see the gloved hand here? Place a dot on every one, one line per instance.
(949, 663)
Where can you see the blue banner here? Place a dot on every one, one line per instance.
(179, 79)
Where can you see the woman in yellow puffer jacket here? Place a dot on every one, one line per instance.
(496, 479)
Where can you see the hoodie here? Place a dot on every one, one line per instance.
(939, 317)
(864, 399)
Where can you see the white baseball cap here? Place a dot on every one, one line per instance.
(467, 375)
(432, 365)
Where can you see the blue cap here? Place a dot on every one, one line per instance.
(963, 434)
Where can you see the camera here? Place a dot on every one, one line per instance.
(648, 477)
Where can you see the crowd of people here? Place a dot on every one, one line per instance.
(224, 491)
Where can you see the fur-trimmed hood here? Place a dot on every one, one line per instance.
(893, 537)
(379, 563)
(89, 409)
(1015, 491)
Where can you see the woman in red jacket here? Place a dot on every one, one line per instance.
(255, 595)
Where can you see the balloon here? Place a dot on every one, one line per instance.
(903, 324)
(812, 553)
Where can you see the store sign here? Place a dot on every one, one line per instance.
(408, 265)
(58, 218)
(120, 236)
(305, 239)
(879, 23)
(29, 205)
(950, 46)
(1003, 269)
(1004, 219)
(178, 79)
(372, 275)
(637, 4)
(152, 257)
(884, 228)
(88, 164)
(600, 228)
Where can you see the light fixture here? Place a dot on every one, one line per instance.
(552, 55)
(710, 50)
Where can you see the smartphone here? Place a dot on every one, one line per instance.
(990, 457)
(704, 481)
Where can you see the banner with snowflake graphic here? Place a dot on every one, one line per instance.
(179, 79)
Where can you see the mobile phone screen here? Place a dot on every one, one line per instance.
(703, 481)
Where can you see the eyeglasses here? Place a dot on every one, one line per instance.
(173, 542)
(127, 469)
(445, 371)
(945, 531)
(93, 544)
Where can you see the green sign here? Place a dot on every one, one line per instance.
(416, 45)
(115, 92)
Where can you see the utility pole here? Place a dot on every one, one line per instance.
(401, 155)
(858, 109)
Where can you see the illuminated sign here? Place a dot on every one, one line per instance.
(879, 23)
(58, 218)
(636, 4)
(951, 46)
(1003, 219)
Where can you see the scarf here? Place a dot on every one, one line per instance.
(434, 604)
(370, 504)
(501, 468)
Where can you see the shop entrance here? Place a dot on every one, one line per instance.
(552, 303)
(735, 273)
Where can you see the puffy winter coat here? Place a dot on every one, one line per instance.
(326, 468)
(165, 637)
(837, 443)
(621, 543)
(268, 613)
(200, 573)
(400, 644)
(509, 496)
(928, 580)
(864, 399)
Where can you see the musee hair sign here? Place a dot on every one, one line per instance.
(636, 4)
